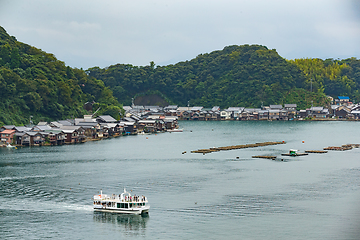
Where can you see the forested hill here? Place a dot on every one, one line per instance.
(35, 83)
(248, 76)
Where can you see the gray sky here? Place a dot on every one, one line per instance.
(88, 33)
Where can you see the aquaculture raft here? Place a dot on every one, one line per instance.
(266, 157)
(315, 151)
(216, 149)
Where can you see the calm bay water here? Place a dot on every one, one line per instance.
(46, 192)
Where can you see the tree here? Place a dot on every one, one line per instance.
(15, 58)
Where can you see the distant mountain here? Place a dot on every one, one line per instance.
(248, 76)
(34, 83)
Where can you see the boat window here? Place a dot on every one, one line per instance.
(118, 205)
(122, 205)
(131, 205)
(126, 205)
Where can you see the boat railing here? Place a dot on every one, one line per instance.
(118, 199)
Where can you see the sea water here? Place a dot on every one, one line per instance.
(45, 192)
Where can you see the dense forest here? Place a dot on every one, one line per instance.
(34, 83)
(247, 76)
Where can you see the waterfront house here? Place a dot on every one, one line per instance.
(129, 127)
(253, 113)
(90, 128)
(225, 115)
(275, 107)
(356, 114)
(110, 129)
(263, 114)
(195, 116)
(31, 139)
(128, 119)
(180, 110)
(41, 128)
(202, 114)
(18, 136)
(105, 119)
(146, 126)
(245, 115)
(342, 111)
(235, 112)
(318, 112)
(290, 107)
(274, 114)
(196, 109)
(215, 115)
(22, 129)
(186, 115)
(283, 115)
(7, 127)
(170, 107)
(73, 134)
(7, 136)
(291, 110)
(56, 137)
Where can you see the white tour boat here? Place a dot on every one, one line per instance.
(123, 203)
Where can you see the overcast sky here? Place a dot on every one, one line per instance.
(88, 33)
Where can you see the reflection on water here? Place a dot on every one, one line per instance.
(131, 224)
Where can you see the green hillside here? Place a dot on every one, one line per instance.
(35, 83)
(248, 76)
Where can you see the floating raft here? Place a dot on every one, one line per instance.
(315, 151)
(216, 149)
(267, 157)
(343, 147)
(338, 148)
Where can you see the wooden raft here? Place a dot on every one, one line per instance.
(216, 149)
(315, 151)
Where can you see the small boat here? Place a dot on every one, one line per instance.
(10, 146)
(174, 130)
(294, 153)
(123, 203)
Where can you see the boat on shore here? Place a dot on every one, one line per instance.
(175, 130)
(123, 203)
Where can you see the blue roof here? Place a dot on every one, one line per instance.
(342, 97)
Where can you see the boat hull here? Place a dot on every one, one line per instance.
(133, 211)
